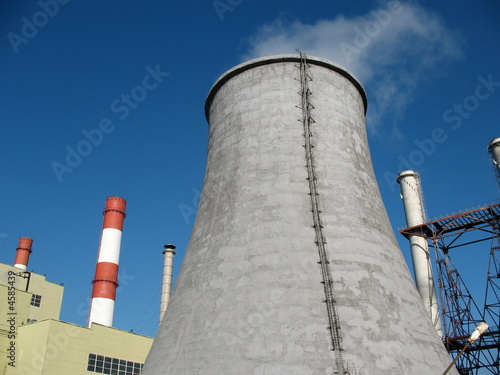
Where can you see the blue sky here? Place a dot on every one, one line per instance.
(106, 98)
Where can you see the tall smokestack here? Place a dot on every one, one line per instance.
(23, 252)
(494, 150)
(292, 266)
(166, 287)
(106, 274)
(411, 193)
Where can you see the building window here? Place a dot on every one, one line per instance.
(36, 299)
(113, 366)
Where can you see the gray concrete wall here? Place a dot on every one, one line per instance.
(249, 297)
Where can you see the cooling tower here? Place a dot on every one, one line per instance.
(292, 266)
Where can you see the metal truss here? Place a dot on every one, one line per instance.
(459, 311)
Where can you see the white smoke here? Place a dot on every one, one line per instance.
(390, 49)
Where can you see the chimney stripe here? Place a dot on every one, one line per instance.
(102, 311)
(105, 280)
(109, 249)
(114, 213)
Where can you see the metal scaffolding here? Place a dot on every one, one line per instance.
(459, 311)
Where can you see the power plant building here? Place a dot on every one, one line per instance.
(53, 347)
(26, 298)
(292, 266)
(34, 341)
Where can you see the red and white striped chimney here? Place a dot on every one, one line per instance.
(23, 252)
(106, 273)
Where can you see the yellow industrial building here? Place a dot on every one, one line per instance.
(33, 341)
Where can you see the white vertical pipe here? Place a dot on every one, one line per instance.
(494, 149)
(414, 210)
(166, 287)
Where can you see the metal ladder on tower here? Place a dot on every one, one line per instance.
(333, 318)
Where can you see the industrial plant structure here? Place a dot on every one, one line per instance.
(292, 266)
(458, 311)
(33, 341)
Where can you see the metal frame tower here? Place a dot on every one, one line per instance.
(459, 312)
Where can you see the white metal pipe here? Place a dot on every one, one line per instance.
(494, 149)
(166, 287)
(411, 194)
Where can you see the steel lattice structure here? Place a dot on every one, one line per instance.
(459, 311)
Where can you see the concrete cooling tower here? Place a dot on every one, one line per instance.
(292, 266)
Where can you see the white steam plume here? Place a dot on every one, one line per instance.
(390, 49)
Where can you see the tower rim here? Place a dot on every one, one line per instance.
(273, 59)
